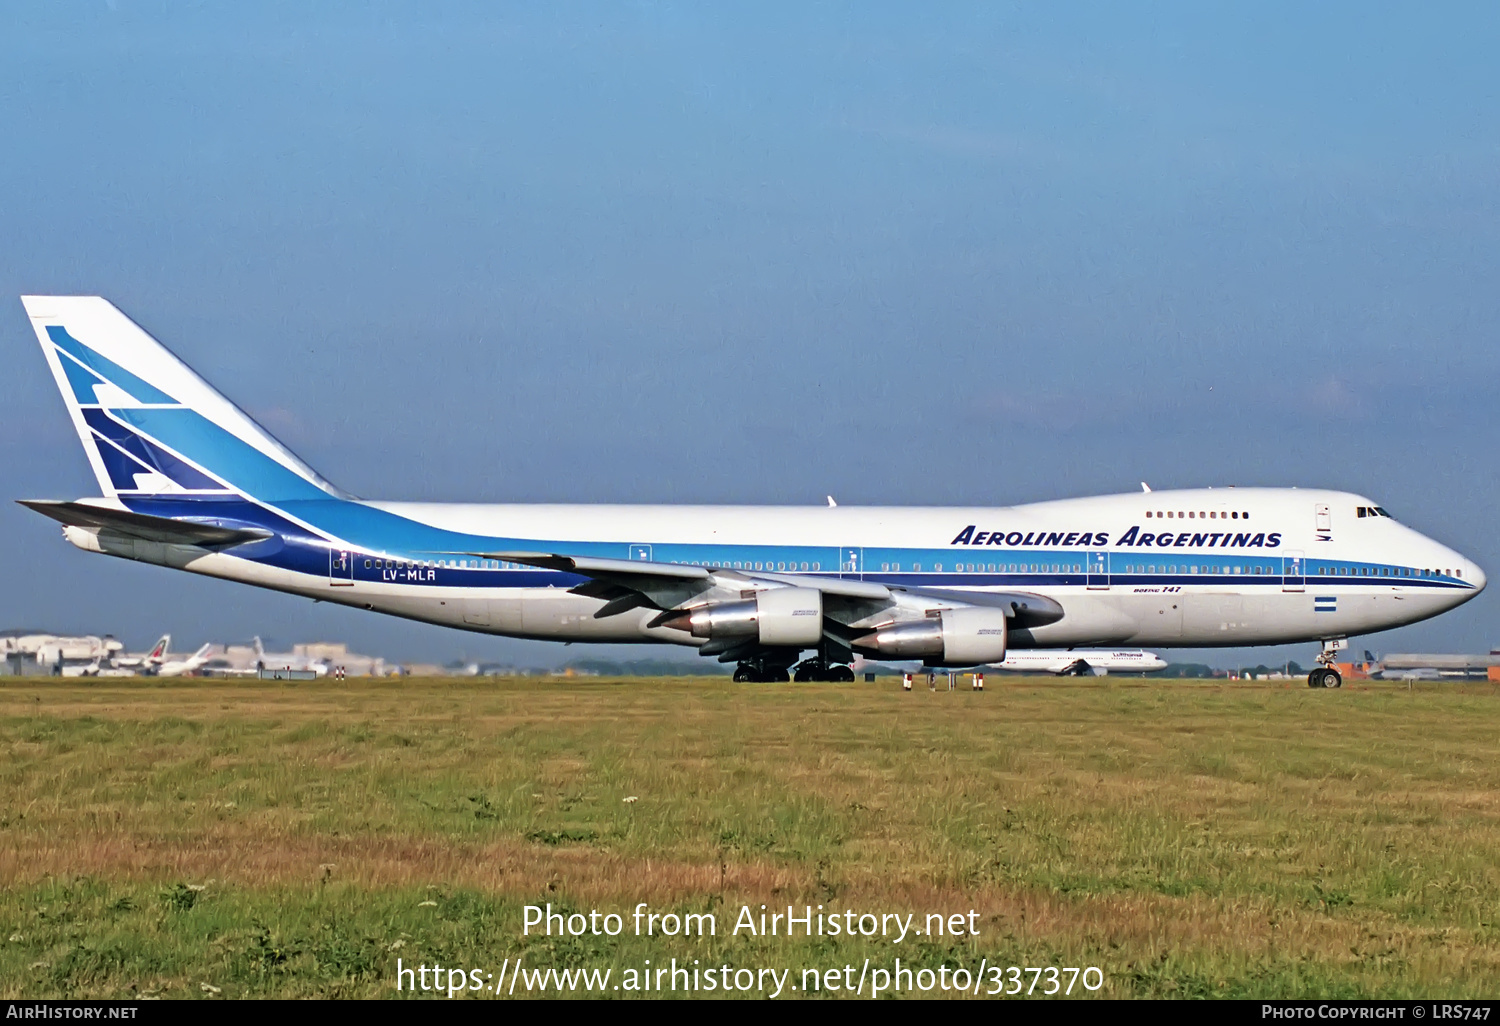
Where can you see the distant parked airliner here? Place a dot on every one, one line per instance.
(1080, 662)
(190, 481)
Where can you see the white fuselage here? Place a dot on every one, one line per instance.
(1206, 567)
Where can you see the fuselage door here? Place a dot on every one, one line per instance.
(851, 563)
(340, 567)
(1323, 520)
(1098, 570)
(1293, 572)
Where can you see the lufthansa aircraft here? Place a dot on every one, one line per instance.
(190, 481)
(1080, 662)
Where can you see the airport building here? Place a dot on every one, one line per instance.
(320, 657)
(1439, 666)
(29, 653)
(38, 653)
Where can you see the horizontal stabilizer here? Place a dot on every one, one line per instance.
(141, 525)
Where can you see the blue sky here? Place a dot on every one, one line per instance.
(759, 253)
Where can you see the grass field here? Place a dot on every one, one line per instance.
(184, 838)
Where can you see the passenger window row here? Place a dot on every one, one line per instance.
(1372, 571)
(995, 568)
(1172, 568)
(445, 564)
(1199, 515)
(789, 567)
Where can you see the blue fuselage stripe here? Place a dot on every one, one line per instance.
(400, 550)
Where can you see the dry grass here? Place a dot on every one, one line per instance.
(1187, 838)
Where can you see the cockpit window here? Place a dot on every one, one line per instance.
(1370, 511)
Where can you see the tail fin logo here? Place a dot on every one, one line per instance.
(135, 463)
(132, 462)
(89, 374)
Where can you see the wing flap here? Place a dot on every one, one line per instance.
(840, 586)
(591, 566)
(661, 585)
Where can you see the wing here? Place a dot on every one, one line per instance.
(669, 585)
(850, 608)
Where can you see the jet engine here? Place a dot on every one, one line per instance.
(776, 616)
(954, 637)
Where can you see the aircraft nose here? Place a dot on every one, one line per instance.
(1456, 565)
(1468, 571)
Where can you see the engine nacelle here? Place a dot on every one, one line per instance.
(955, 637)
(776, 616)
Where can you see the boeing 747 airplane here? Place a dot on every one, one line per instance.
(190, 481)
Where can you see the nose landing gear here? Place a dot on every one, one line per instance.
(1321, 678)
(1326, 674)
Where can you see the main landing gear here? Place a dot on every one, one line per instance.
(817, 669)
(1326, 674)
(772, 665)
(758, 672)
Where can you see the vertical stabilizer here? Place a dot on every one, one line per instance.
(149, 424)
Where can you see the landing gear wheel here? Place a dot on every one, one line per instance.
(1326, 674)
(810, 670)
(840, 675)
(1325, 678)
(757, 672)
